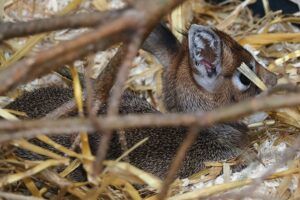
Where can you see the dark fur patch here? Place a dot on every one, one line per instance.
(162, 44)
(218, 143)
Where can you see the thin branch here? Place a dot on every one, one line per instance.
(18, 129)
(178, 160)
(123, 73)
(70, 106)
(63, 110)
(89, 88)
(117, 91)
(103, 85)
(106, 79)
(288, 87)
(20, 29)
(13, 196)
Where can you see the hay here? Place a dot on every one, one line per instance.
(273, 39)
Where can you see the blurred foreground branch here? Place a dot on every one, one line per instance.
(18, 129)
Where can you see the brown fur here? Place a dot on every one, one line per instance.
(217, 143)
(181, 94)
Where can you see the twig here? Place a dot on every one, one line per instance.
(123, 73)
(63, 110)
(18, 129)
(65, 73)
(117, 91)
(106, 79)
(177, 162)
(20, 29)
(89, 88)
(288, 87)
(61, 182)
(13, 196)
(123, 142)
(92, 106)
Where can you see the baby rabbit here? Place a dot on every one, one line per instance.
(200, 74)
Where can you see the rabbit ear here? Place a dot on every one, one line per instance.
(205, 55)
(162, 44)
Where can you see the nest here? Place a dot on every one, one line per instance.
(274, 170)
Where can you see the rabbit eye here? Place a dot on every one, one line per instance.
(240, 81)
(244, 80)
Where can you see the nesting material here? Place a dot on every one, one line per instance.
(272, 172)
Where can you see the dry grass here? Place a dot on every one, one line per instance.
(272, 39)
